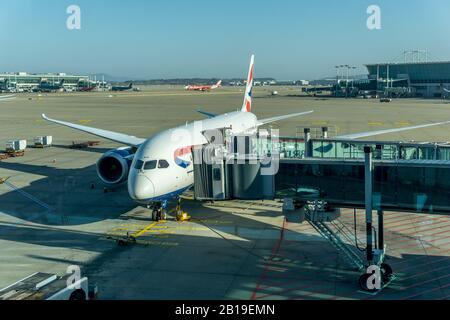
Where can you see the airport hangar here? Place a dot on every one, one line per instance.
(24, 80)
(417, 79)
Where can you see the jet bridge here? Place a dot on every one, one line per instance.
(413, 177)
(315, 177)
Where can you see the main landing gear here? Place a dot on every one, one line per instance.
(159, 210)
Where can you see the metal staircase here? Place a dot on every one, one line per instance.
(337, 234)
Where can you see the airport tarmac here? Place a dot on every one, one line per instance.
(230, 250)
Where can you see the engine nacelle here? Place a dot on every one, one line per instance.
(113, 167)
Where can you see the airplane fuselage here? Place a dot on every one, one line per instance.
(163, 166)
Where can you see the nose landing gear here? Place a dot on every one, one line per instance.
(159, 210)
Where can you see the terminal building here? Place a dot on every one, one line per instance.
(417, 79)
(26, 81)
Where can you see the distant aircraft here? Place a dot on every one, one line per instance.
(85, 89)
(161, 167)
(204, 87)
(86, 86)
(7, 98)
(45, 86)
(122, 88)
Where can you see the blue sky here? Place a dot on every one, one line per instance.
(292, 39)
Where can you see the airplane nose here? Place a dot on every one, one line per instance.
(140, 187)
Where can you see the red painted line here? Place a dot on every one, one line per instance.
(275, 250)
(312, 283)
(427, 281)
(402, 221)
(428, 291)
(424, 273)
(427, 244)
(421, 265)
(446, 231)
(419, 226)
(416, 216)
(427, 235)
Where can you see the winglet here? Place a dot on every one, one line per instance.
(247, 105)
(44, 116)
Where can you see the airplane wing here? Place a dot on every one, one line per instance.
(376, 133)
(110, 135)
(208, 114)
(279, 118)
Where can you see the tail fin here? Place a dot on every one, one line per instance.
(131, 85)
(217, 85)
(247, 105)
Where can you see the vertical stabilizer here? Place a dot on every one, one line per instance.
(247, 105)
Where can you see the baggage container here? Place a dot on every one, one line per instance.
(16, 145)
(43, 141)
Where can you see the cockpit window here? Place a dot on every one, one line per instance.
(138, 165)
(150, 165)
(163, 164)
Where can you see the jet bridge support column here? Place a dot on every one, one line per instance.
(308, 147)
(368, 201)
(325, 132)
(380, 229)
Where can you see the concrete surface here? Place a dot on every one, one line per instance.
(230, 250)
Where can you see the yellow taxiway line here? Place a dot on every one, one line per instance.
(146, 229)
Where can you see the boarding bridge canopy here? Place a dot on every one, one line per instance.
(407, 176)
(421, 186)
(295, 148)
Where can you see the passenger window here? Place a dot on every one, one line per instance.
(163, 164)
(150, 165)
(138, 165)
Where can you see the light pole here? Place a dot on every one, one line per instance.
(346, 82)
(337, 80)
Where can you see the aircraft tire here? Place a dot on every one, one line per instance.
(386, 272)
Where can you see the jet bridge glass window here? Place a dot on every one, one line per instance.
(138, 165)
(150, 165)
(163, 164)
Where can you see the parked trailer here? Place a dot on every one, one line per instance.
(46, 286)
(84, 145)
(43, 141)
(13, 146)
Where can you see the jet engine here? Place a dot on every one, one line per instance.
(113, 167)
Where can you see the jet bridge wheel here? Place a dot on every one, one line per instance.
(363, 283)
(386, 272)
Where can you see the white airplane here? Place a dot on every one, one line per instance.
(160, 168)
(7, 98)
